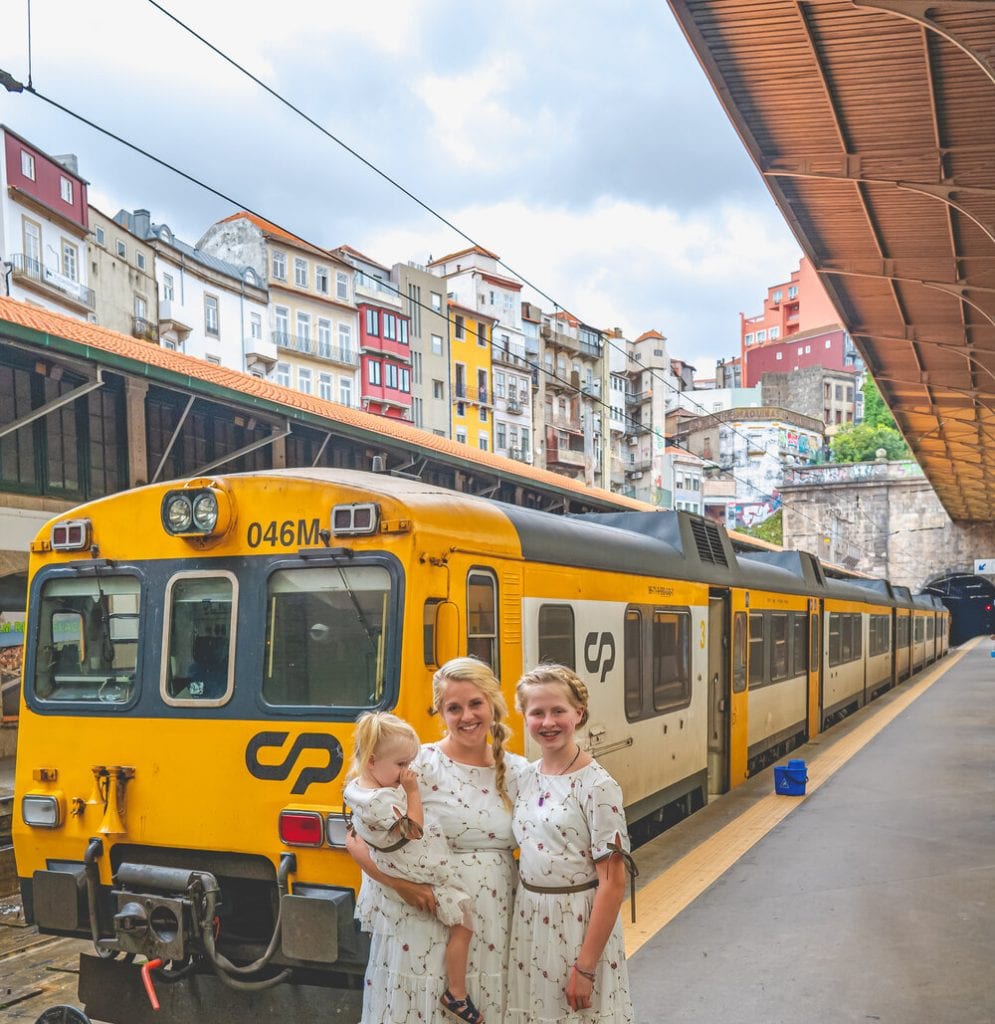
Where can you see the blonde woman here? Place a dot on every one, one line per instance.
(567, 959)
(468, 783)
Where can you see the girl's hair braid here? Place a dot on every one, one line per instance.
(543, 675)
(374, 729)
(472, 670)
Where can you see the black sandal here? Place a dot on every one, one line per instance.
(461, 1009)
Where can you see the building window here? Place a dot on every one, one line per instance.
(461, 435)
(324, 338)
(121, 249)
(390, 326)
(437, 344)
(483, 442)
(304, 380)
(255, 325)
(69, 260)
(98, 233)
(459, 328)
(777, 296)
(281, 325)
(402, 330)
(761, 336)
(280, 266)
(405, 380)
(66, 189)
(373, 372)
(140, 260)
(775, 333)
(304, 330)
(792, 291)
(341, 286)
(141, 307)
(321, 279)
(325, 386)
(300, 272)
(436, 302)
(482, 334)
(829, 343)
(283, 374)
(211, 315)
(390, 375)
(372, 323)
(32, 246)
(438, 389)
(167, 287)
(345, 341)
(345, 391)
(27, 165)
(500, 438)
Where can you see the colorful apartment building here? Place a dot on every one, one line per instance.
(44, 224)
(312, 315)
(472, 397)
(799, 305)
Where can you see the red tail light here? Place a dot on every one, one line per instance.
(301, 828)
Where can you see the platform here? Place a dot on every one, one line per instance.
(871, 898)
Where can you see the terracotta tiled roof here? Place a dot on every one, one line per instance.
(464, 252)
(651, 334)
(502, 282)
(348, 250)
(103, 340)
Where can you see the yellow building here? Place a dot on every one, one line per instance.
(470, 356)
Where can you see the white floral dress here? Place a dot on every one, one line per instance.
(559, 840)
(406, 974)
(375, 813)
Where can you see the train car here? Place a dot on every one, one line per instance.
(197, 653)
(903, 631)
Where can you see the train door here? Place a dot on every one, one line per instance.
(739, 603)
(815, 617)
(718, 690)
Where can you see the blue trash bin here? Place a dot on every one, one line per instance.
(790, 779)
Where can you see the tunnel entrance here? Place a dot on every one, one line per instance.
(970, 600)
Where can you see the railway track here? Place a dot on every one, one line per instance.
(36, 971)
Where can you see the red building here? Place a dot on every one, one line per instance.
(826, 348)
(385, 361)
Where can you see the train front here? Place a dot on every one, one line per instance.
(196, 656)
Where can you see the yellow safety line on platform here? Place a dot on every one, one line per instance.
(661, 900)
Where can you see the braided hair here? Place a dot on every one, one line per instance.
(472, 670)
(543, 675)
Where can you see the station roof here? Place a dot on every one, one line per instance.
(872, 124)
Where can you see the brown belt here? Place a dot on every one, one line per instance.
(557, 889)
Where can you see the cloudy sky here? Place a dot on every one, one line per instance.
(580, 141)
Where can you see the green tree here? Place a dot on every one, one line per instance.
(860, 443)
(770, 530)
(876, 413)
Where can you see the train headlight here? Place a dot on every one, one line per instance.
(201, 509)
(177, 513)
(205, 511)
(41, 811)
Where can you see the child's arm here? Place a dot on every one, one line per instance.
(409, 783)
(419, 895)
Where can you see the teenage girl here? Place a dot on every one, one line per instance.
(567, 957)
(382, 791)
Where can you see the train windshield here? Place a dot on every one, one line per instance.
(326, 635)
(87, 639)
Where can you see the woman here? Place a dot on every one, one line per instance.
(468, 785)
(567, 959)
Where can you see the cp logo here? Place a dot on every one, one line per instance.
(306, 741)
(604, 656)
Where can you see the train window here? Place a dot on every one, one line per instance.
(857, 631)
(879, 638)
(428, 631)
(556, 634)
(816, 636)
(327, 634)
(671, 659)
(919, 629)
(199, 639)
(835, 640)
(902, 631)
(633, 664)
(930, 629)
(778, 646)
(739, 652)
(88, 639)
(757, 670)
(799, 643)
(846, 638)
(481, 617)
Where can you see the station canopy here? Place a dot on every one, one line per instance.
(873, 124)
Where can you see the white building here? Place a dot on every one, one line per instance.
(43, 228)
(208, 308)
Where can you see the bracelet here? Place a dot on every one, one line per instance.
(585, 974)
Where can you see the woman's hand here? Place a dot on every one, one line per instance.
(579, 990)
(416, 894)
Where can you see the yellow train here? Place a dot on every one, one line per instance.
(197, 652)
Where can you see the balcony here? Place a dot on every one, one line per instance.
(144, 329)
(374, 288)
(560, 455)
(635, 397)
(508, 357)
(258, 351)
(569, 423)
(33, 273)
(559, 339)
(308, 346)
